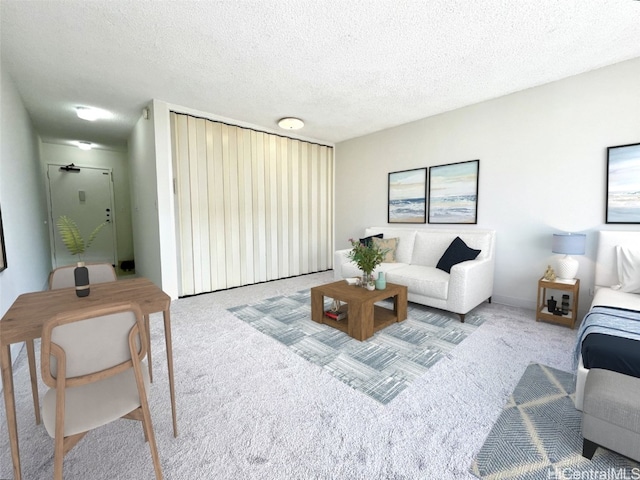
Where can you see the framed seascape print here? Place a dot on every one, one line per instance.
(453, 192)
(623, 184)
(3, 252)
(408, 196)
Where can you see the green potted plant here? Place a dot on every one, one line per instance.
(367, 257)
(74, 241)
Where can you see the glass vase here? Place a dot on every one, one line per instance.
(367, 278)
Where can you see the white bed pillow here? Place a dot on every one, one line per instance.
(628, 269)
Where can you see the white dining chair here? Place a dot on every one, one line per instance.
(92, 363)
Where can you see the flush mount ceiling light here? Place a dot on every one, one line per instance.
(84, 145)
(290, 123)
(90, 114)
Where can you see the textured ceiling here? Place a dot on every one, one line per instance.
(347, 68)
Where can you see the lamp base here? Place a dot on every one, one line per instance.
(567, 268)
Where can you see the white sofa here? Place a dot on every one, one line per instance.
(419, 249)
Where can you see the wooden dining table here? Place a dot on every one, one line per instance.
(23, 323)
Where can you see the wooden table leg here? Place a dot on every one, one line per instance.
(317, 306)
(31, 355)
(400, 306)
(167, 338)
(360, 315)
(147, 328)
(10, 407)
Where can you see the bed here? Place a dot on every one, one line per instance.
(607, 350)
(609, 334)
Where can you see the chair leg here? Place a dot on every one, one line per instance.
(31, 356)
(58, 458)
(461, 315)
(150, 436)
(147, 329)
(588, 448)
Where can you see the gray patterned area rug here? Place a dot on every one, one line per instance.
(380, 367)
(538, 435)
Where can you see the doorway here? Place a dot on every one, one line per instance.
(84, 194)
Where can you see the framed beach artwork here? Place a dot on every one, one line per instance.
(623, 184)
(3, 252)
(408, 196)
(453, 192)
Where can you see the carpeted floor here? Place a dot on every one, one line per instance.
(538, 435)
(382, 366)
(251, 408)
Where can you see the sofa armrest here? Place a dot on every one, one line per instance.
(340, 258)
(471, 283)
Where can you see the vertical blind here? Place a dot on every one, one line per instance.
(251, 206)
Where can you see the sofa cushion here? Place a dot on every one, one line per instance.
(387, 245)
(457, 252)
(421, 280)
(405, 245)
(350, 269)
(366, 241)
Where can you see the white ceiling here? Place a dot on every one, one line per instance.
(347, 68)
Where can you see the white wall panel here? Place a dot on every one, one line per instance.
(252, 206)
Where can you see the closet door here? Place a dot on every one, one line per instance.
(251, 206)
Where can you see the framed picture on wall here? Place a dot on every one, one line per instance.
(453, 192)
(3, 252)
(623, 184)
(407, 196)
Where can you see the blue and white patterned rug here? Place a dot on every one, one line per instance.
(539, 436)
(382, 366)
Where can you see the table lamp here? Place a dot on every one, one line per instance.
(568, 244)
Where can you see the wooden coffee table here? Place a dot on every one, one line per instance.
(363, 317)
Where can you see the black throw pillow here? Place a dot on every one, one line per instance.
(366, 241)
(456, 253)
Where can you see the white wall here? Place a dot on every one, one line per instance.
(22, 200)
(142, 174)
(543, 164)
(98, 158)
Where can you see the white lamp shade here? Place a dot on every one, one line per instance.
(569, 243)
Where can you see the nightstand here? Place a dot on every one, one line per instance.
(542, 313)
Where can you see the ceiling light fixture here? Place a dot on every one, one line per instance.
(84, 145)
(290, 123)
(86, 113)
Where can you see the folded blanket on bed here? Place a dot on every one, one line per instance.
(610, 321)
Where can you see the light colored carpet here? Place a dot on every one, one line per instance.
(383, 365)
(538, 435)
(250, 408)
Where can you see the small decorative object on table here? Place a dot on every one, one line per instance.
(565, 304)
(367, 257)
(337, 311)
(381, 282)
(551, 304)
(73, 240)
(549, 275)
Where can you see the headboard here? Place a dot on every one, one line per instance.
(606, 270)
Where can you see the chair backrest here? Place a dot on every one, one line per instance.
(62, 277)
(92, 344)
